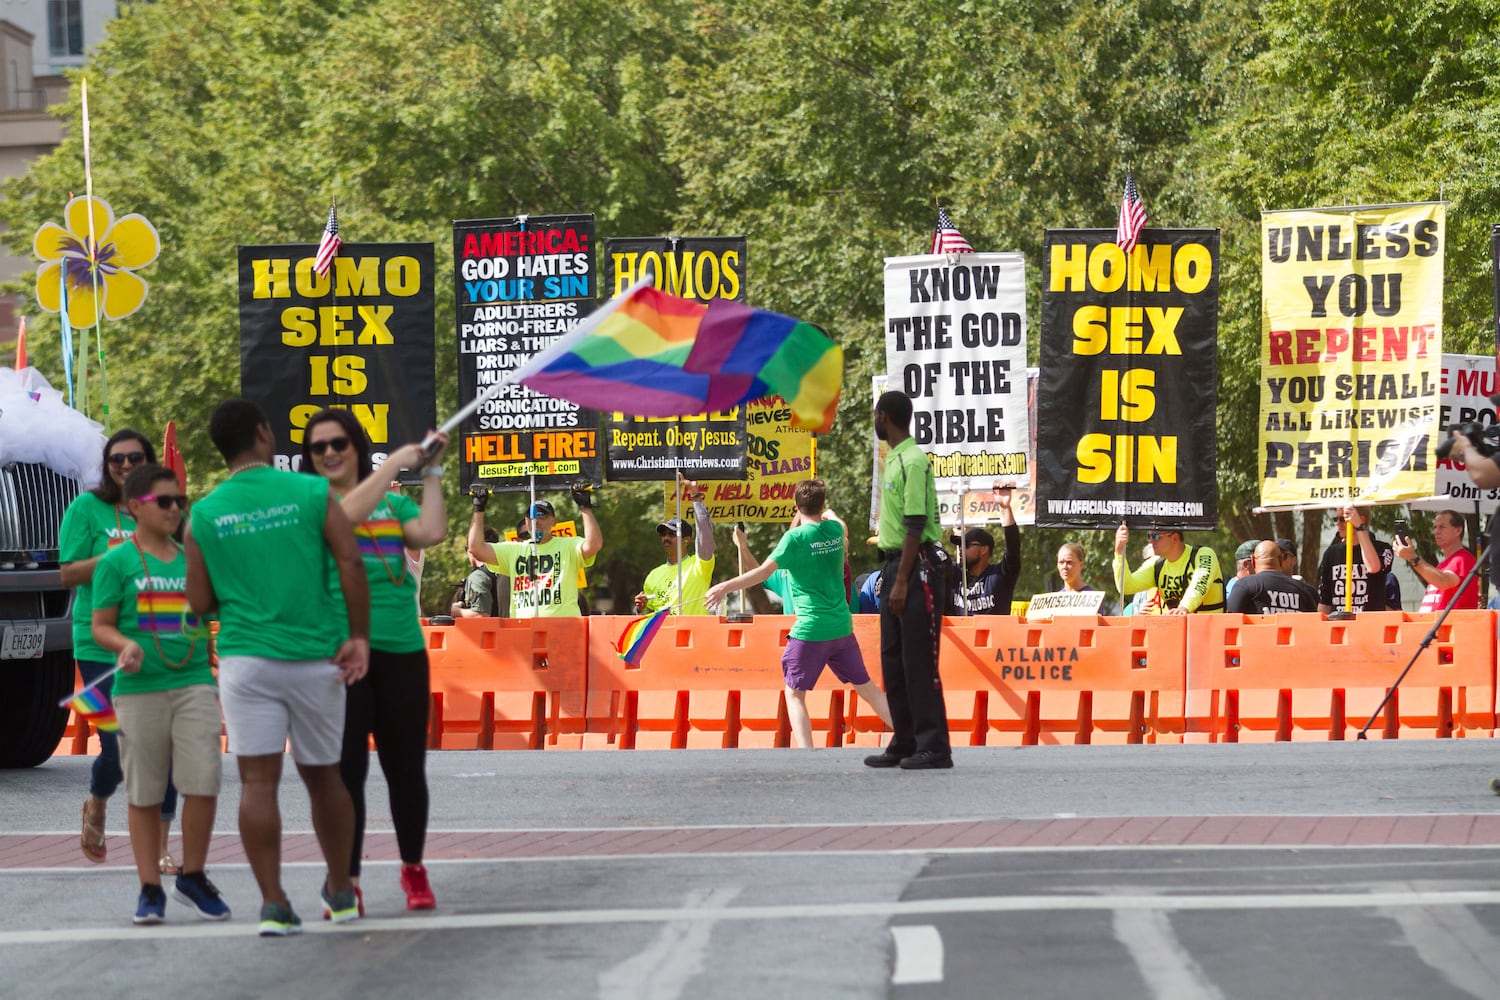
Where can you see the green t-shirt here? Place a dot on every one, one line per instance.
(261, 535)
(394, 624)
(660, 587)
(544, 577)
(907, 489)
(151, 600)
(90, 527)
(813, 556)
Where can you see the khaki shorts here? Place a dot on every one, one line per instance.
(268, 701)
(176, 731)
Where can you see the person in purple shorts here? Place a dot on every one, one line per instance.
(812, 553)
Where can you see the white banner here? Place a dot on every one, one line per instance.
(955, 343)
(1467, 382)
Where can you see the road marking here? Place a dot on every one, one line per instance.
(797, 911)
(1455, 945)
(680, 952)
(919, 954)
(1167, 967)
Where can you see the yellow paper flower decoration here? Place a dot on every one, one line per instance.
(124, 245)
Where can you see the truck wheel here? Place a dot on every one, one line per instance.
(31, 724)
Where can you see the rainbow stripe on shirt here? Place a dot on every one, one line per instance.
(381, 537)
(163, 611)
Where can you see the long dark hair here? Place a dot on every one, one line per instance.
(108, 490)
(351, 427)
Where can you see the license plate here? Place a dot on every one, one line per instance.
(22, 642)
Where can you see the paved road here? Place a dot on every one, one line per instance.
(1368, 869)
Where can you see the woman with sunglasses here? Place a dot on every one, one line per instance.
(94, 523)
(390, 702)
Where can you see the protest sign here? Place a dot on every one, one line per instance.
(1045, 607)
(956, 345)
(1125, 422)
(1467, 382)
(360, 337)
(1351, 347)
(520, 283)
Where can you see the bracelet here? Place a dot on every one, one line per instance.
(433, 470)
(1361, 528)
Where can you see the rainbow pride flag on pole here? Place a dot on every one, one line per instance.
(92, 706)
(651, 354)
(638, 635)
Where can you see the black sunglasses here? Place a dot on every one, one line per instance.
(320, 447)
(127, 457)
(165, 501)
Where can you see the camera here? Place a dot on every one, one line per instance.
(1484, 437)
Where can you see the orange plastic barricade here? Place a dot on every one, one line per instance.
(1301, 677)
(1082, 679)
(704, 682)
(501, 683)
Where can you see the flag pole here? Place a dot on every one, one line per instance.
(96, 682)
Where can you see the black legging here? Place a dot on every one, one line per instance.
(390, 702)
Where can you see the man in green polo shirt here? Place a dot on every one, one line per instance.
(915, 592)
(258, 551)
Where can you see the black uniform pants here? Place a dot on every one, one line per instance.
(909, 658)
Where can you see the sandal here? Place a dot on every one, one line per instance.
(91, 841)
(168, 866)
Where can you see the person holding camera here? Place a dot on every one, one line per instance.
(1372, 561)
(544, 569)
(1443, 579)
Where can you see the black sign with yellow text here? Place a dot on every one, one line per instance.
(359, 337)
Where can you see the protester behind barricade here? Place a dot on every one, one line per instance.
(1244, 558)
(914, 574)
(1372, 561)
(1443, 579)
(480, 597)
(1269, 590)
(543, 570)
(95, 522)
(992, 585)
(259, 549)
(1484, 472)
(812, 555)
(1187, 577)
(694, 571)
(1148, 601)
(164, 695)
(868, 588)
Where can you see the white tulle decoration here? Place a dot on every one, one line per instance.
(36, 425)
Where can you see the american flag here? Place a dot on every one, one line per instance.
(1132, 216)
(946, 238)
(328, 246)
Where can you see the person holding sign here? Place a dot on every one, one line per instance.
(681, 581)
(1372, 561)
(915, 575)
(811, 554)
(390, 701)
(1187, 578)
(543, 570)
(165, 696)
(1443, 579)
(991, 585)
(1270, 590)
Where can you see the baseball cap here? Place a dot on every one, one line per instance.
(1287, 545)
(1246, 550)
(980, 536)
(676, 526)
(542, 509)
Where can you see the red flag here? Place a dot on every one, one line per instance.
(1132, 216)
(21, 346)
(328, 246)
(172, 458)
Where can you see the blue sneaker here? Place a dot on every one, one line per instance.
(194, 889)
(278, 921)
(151, 905)
(340, 907)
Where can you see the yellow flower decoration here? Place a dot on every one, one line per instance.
(124, 245)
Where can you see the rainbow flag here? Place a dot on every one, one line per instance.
(651, 354)
(638, 635)
(92, 706)
(379, 537)
(163, 611)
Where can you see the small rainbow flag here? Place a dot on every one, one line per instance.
(651, 354)
(92, 706)
(163, 611)
(638, 635)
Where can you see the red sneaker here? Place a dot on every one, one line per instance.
(418, 893)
